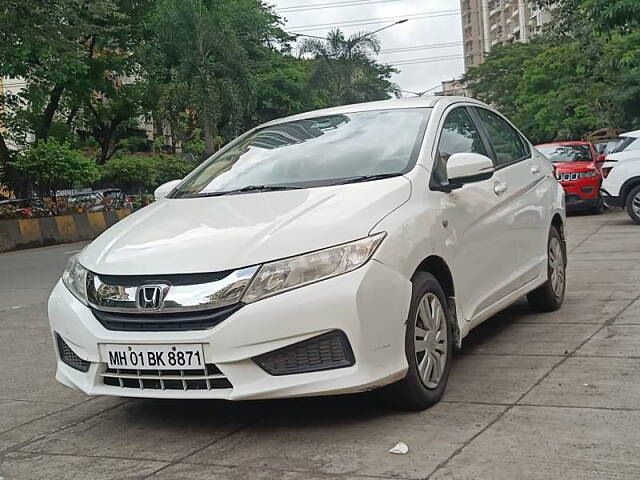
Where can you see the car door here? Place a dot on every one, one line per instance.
(483, 255)
(517, 176)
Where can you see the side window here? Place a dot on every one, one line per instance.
(459, 135)
(507, 143)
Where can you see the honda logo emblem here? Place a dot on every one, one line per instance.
(151, 297)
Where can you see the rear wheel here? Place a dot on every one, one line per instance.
(633, 204)
(428, 348)
(549, 296)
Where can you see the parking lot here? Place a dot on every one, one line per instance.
(530, 396)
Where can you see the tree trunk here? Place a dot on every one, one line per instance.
(5, 155)
(108, 142)
(42, 132)
(209, 139)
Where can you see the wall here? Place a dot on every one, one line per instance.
(38, 232)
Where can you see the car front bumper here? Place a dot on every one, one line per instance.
(611, 201)
(370, 305)
(581, 194)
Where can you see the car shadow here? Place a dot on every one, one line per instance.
(309, 412)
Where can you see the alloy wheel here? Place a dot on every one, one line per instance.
(635, 205)
(431, 337)
(556, 267)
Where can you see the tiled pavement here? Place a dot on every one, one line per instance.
(531, 396)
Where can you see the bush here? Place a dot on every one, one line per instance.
(139, 174)
(171, 168)
(130, 173)
(50, 166)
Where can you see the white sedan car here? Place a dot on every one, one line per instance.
(335, 251)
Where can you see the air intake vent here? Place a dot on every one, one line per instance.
(69, 357)
(209, 378)
(324, 352)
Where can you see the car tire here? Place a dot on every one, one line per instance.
(599, 207)
(428, 326)
(633, 204)
(550, 295)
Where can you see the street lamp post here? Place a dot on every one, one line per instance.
(404, 20)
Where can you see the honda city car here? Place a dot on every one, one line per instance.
(335, 251)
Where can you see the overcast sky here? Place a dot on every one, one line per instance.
(438, 22)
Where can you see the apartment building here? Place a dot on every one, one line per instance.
(487, 23)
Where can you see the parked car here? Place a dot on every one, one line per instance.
(621, 186)
(578, 169)
(23, 208)
(98, 200)
(335, 251)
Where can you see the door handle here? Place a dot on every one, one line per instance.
(535, 170)
(500, 187)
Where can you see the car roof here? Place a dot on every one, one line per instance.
(633, 134)
(391, 104)
(563, 144)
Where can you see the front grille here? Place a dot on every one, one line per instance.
(209, 378)
(324, 352)
(70, 357)
(567, 177)
(167, 322)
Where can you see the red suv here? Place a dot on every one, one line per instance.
(578, 169)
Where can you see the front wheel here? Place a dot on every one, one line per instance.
(599, 207)
(633, 204)
(428, 347)
(550, 295)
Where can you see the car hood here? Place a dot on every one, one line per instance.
(566, 167)
(197, 235)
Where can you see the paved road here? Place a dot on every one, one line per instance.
(531, 396)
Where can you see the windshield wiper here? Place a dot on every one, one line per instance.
(251, 188)
(366, 178)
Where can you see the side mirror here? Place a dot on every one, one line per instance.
(468, 168)
(601, 158)
(164, 189)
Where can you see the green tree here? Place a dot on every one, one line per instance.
(64, 49)
(563, 94)
(51, 166)
(496, 80)
(205, 48)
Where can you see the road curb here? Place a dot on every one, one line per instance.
(39, 232)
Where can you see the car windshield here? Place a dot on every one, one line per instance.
(566, 153)
(313, 152)
(626, 143)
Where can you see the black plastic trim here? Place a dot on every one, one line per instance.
(269, 361)
(79, 364)
(164, 322)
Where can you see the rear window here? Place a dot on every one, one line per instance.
(566, 153)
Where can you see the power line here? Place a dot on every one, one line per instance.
(323, 6)
(374, 21)
(417, 61)
(420, 47)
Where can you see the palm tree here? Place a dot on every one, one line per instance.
(346, 67)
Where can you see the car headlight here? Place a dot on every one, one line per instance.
(75, 278)
(590, 174)
(283, 275)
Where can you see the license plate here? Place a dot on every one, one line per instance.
(165, 357)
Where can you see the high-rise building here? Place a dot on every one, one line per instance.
(486, 23)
